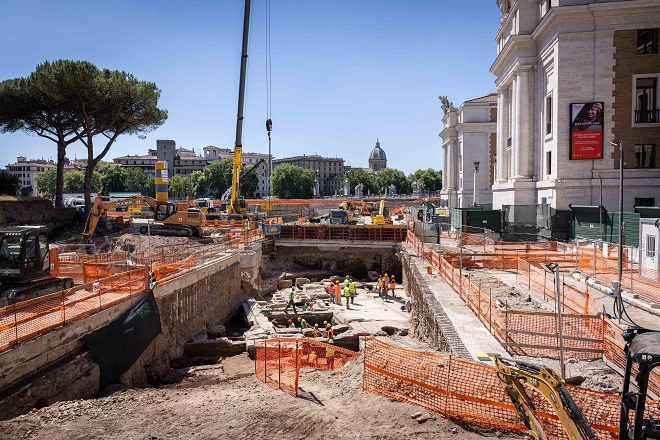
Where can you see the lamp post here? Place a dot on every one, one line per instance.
(600, 207)
(617, 288)
(553, 268)
(475, 196)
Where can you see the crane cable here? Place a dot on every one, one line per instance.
(268, 62)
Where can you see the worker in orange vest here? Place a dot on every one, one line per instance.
(337, 293)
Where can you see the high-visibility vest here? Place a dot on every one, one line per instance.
(337, 289)
(380, 282)
(291, 295)
(304, 324)
(331, 333)
(351, 287)
(347, 291)
(330, 351)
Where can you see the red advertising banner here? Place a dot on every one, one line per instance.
(587, 130)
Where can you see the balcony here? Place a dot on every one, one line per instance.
(646, 116)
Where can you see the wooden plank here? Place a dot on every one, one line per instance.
(550, 347)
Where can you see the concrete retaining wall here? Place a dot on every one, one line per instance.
(429, 321)
(57, 366)
(187, 305)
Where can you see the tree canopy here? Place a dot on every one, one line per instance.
(150, 186)
(178, 185)
(292, 182)
(113, 177)
(430, 179)
(9, 184)
(66, 101)
(47, 182)
(358, 175)
(134, 180)
(74, 182)
(391, 176)
(200, 184)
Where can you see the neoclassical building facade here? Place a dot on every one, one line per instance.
(572, 76)
(468, 151)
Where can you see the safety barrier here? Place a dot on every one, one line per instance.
(71, 264)
(471, 392)
(278, 361)
(29, 319)
(343, 232)
(587, 335)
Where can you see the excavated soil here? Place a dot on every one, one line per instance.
(227, 401)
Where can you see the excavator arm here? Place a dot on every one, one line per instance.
(99, 206)
(513, 374)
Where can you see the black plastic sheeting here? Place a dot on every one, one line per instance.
(118, 345)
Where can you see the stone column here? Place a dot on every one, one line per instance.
(515, 121)
(521, 143)
(444, 168)
(502, 132)
(450, 165)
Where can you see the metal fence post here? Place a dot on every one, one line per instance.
(279, 365)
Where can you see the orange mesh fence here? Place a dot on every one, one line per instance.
(166, 271)
(71, 265)
(278, 361)
(535, 334)
(29, 319)
(471, 392)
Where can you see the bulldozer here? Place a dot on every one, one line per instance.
(25, 265)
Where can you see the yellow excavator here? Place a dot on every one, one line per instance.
(636, 421)
(381, 217)
(167, 220)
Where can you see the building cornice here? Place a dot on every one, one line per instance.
(517, 47)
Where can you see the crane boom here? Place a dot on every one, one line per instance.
(234, 206)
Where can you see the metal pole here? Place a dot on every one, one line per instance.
(600, 207)
(561, 336)
(460, 244)
(620, 250)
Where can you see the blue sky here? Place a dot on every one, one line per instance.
(344, 72)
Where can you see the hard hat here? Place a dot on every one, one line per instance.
(347, 276)
(350, 280)
(330, 341)
(316, 325)
(298, 318)
(385, 274)
(325, 322)
(290, 320)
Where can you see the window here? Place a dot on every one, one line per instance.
(548, 162)
(647, 41)
(646, 111)
(650, 246)
(645, 156)
(644, 201)
(548, 114)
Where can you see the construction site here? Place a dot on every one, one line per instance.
(194, 335)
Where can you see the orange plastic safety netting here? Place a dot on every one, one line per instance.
(471, 392)
(165, 271)
(29, 319)
(278, 361)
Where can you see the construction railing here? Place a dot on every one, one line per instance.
(587, 335)
(343, 232)
(29, 319)
(471, 392)
(278, 361)
(71, 264)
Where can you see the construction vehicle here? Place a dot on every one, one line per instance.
(642, 355)
(513, 374)
(209, 208)
(381, 217)
(25, 265)
(352, 212)
(167, 220)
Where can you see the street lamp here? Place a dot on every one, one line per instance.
(600, 206)
(553, 268)
(475, 196)
(617, 288)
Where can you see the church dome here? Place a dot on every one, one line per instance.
(377, 152)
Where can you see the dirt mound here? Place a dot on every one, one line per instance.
(227, 401)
